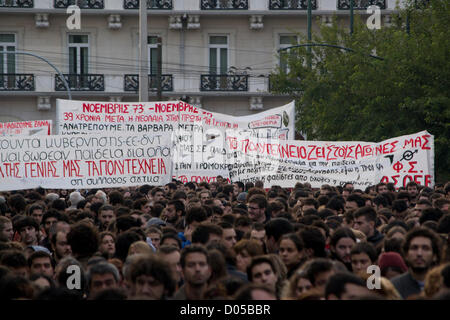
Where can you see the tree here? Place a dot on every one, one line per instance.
(352, 96)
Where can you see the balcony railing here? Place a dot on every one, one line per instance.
(291, 4)
(16, 82)
(131, 82)
(151, 4)
(224, 4)
(223, 82)
(16, 4)
(81, 82)
(83, 4)
(361, 4)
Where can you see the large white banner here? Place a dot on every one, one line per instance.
(199, 135)
(85, 161)
(276, 162)
(26, 128)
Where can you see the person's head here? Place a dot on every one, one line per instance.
(139, 247)
(16, 261)
(195, 215)
(105, 216)
(107, 243)
(83, 240)
(314, 242)
(391, 264)
(228, 235)
(172, 239)
(318, 271)
(381, 188)
(412, 189)
(354, 201)
(245, 249)
(41, 262)
(364, 220)
(255, 291)
(341, 244)
(64, 271)
(195, 266)
(6, 229)
(275, 228)
(257, 205)
(206, 233)
(345, 286)
(50, 218)
(171, 255)
(262, 271)
(291, 250)
(298, 284)
(28, 230)
(173, 211)
(151, 278)
(363, 254)
(60, 247)
(102, 276)
(36, 211)
(422, 248)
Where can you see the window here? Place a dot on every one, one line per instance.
(7, 60)
(218, 54)
(285, 42)
(78, 54)
(153, 54)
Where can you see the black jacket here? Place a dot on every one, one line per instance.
(406, 285)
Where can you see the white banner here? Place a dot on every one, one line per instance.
(275, 162)
(26, 128)
(199, 135)
(85, 161)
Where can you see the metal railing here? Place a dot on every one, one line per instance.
(81, 82)
(224, 4)
(291, 4)
(16, 4)
(360, 4)
(223, 82)
(131, 82)
(151, 4)
(83, 4)
(16, 82)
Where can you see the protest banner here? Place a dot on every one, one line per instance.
(199, 134)
(84, 161)
(26, 128)
(277, 162)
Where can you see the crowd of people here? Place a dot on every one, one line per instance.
(222, 240)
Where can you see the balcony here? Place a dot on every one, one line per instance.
(360, 4)
(291, 4)
(224, 4)
(16, 82)
(223, 82)
(83, 4)
(16, 4)
(151, 4)
(81, 82)
(131, 82)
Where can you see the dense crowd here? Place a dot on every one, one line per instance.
(224, 240)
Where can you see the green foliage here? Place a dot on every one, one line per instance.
(352, 96)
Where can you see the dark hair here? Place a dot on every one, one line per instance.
(356, 198)
(444, 224)
(294, 237)
(193, 249)
(339, 233)
(367, 248)
(256, 261)
(380, 200)
(259, 199)
(399, 205)
(277, 227)
(25, 221)
(316, 266)
(40, 254)
(335, 204)
(245, 291)
(368, 212)
(202, 232)
(336, 283)
(170, 235)
(83, 239)
(155, 267)
(123, 243)
(430, 214)
(195, 214)
(426, 233)
(393, 245)
(314, 239)
(13, 258)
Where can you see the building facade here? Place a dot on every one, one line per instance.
(216, 54)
